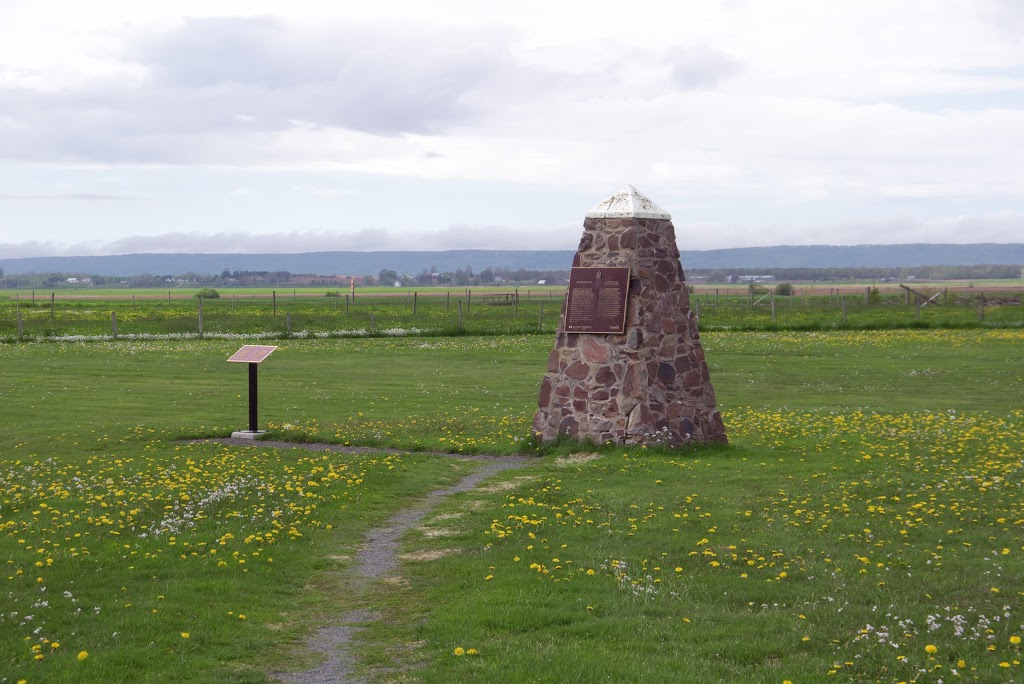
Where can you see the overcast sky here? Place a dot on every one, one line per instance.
(255, 126)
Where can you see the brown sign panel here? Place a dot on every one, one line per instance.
(252, 353)
(597, 300)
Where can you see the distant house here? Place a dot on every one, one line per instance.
(542, 282)
(72, 280)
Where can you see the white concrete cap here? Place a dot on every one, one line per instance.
(628, 203)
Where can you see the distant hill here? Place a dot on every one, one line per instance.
(371, 263)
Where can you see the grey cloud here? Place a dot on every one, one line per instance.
(701, 67)
(1006, 15)
(214, 89)
(210, 52)
(380, 79)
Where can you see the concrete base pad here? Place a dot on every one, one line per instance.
(247, 434)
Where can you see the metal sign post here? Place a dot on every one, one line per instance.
(252, 354)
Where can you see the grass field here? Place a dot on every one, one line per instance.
(866, 522)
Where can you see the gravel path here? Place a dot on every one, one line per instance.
(378, 559)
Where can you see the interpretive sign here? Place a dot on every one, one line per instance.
(252, 353)
(597, 300)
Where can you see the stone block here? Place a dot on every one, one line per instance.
(650, 384)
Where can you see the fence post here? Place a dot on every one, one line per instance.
(414, 294)
(168, 296)
(53, 296)
(346, 305)
(371, 322)
(773, 307)
(200, 317)
(113, 324)
(716, 297)
(469, 299)
(288, 323)
(21, 326)
(448, 302)
(696, 310)
(981, 307)
(273, 296)
(540, 320)
(460, 313)
(867, 296)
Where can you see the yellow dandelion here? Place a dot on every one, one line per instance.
(931, 649)
(459, 651)
(471, 651)
(1015, 640)
(82, 655)
(185, 635)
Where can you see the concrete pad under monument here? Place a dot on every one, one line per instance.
(627, 366)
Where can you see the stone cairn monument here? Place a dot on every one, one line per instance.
(627, 366)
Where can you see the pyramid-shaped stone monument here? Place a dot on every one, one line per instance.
(627, 366)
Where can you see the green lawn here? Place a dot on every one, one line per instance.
(869, 506)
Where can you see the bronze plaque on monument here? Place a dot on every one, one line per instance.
(597, 300)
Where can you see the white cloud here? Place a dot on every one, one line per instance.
(999, 228)
(755, 110)
(365, 240)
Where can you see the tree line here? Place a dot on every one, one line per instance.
(896, 274)
(465, 277)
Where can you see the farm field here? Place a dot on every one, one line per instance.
(482, 311)
(866, 523)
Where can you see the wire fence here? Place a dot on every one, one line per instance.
(43, 317)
